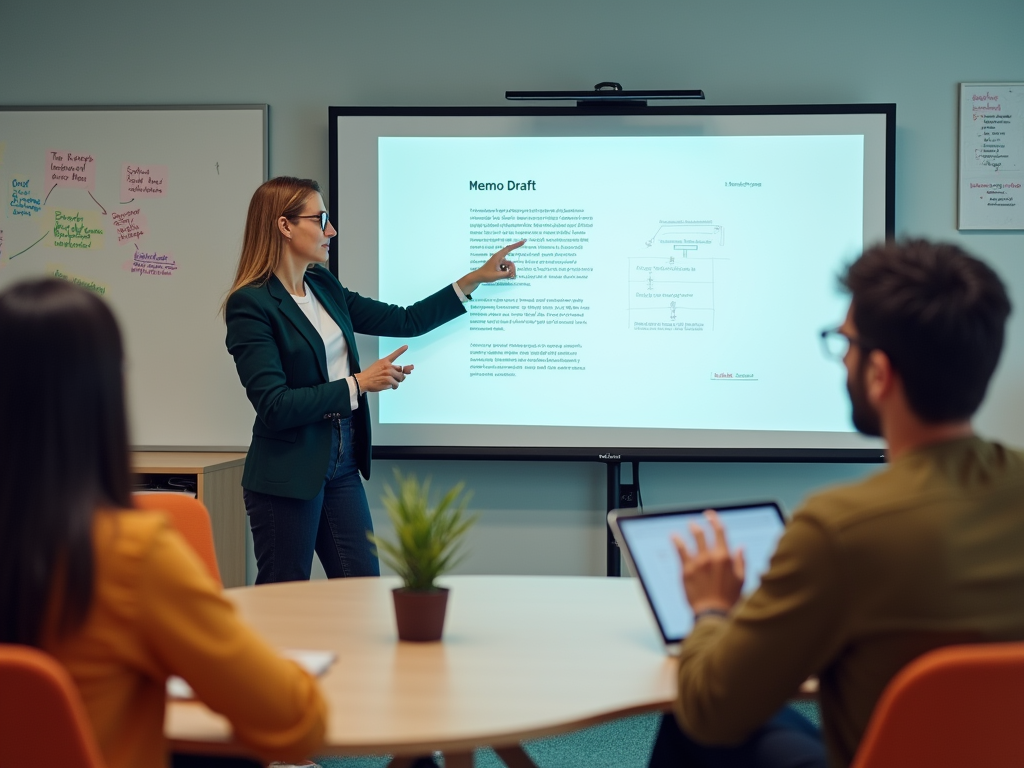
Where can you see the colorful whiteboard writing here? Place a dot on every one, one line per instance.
(991, 189)
(144, 206)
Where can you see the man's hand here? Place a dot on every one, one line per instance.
(712, 578)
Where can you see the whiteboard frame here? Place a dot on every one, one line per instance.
(263, 109)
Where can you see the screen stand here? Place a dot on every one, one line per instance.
(620, 496)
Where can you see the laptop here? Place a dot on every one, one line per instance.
(645, 540)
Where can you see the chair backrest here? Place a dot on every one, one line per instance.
(190, 518)
(42, 720)
(957, 706)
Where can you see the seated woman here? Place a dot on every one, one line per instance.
(116, 595)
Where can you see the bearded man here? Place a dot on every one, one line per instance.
(927, 552)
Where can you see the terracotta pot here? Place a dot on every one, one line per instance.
(420, 614)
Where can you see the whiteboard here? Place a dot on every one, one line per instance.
(145, 206)
(991, 183)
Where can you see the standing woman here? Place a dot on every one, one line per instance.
(290, 330)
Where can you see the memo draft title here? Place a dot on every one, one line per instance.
(498, 186)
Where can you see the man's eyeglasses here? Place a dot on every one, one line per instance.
(835, 344)
(322, 216)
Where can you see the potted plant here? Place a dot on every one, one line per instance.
(428, 544)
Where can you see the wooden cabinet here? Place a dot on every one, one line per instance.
(218, 478)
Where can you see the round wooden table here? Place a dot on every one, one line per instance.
(522, 657)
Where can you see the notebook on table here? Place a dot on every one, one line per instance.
(314, 662)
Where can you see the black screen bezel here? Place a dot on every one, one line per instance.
(602, 452)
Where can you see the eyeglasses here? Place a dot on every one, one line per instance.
(322, 216)
(835, 344)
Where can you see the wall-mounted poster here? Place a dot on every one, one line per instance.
(991, 187)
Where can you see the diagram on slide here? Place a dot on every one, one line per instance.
(672, 283)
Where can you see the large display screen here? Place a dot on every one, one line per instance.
(678, 267)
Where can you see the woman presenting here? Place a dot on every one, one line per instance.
(290, 330)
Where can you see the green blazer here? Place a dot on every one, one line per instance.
(282, 364)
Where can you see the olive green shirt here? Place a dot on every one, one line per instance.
(866, 577)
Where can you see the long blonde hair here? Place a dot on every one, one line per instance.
(261, 245)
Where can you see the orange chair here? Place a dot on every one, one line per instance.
(954, 707)
(42, 720)
(190, 518)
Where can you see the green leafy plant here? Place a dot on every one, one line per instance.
(428, 539)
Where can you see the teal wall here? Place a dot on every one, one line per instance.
(302, 56)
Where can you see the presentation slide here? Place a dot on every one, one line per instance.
(671, 263)
(671, 288)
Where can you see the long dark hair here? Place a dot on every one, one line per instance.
(64, 442)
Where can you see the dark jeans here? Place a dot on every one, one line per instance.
(285, 532)
(788, 740)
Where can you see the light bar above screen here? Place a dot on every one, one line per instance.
(678, 267)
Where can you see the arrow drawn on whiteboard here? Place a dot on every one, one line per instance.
(218, 168)
(35, 243)
(47, 197)
(125, 202)
(98, 203)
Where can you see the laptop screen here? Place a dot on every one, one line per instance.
(648, 539)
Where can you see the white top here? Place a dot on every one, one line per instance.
(334, 339)
(334, 342)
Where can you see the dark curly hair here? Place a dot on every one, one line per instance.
(939, 314)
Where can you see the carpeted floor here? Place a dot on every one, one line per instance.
(619, 744)
(622, 743)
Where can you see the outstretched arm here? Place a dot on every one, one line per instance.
(498, 267)
(275, 707)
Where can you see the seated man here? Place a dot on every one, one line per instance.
(927, 552)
